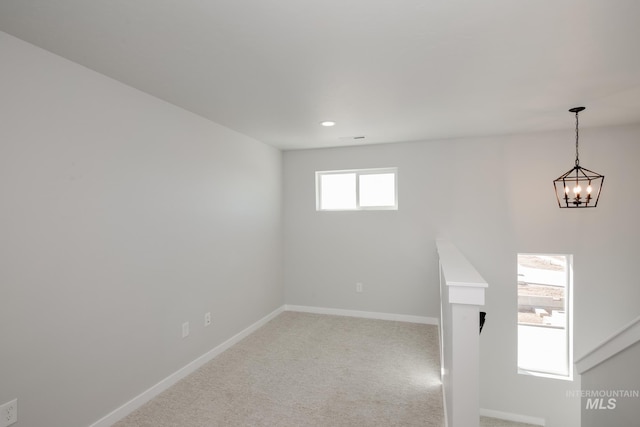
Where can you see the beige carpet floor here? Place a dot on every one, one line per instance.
(312, 370)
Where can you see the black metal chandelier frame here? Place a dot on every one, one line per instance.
(573, 181)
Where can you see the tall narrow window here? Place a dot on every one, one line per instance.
(358, 189)
(544, 315)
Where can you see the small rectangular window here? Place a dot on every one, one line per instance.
(338, 191)
(358, 189)
(544, 315)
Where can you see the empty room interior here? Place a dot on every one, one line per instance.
(178, 176)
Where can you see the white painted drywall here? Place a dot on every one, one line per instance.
(121, 217)
(491, 197)
(617, 378)
(390, 252)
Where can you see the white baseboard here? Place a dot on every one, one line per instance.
(512, 417)
(364, 314)
(152, 392)
(444, 404)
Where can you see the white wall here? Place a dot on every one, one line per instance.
(619, 373)
(493, 198)
(390, 252)
(121, 217)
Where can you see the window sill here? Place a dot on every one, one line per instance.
(545, 375)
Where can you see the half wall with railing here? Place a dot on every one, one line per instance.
(462, 292)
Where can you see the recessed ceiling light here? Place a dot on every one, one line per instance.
(328, 123)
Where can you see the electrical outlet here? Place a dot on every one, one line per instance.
(185, 329)
(207, 319)
(359, 287)
(9, 413)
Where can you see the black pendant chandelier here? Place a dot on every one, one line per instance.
(579, 187)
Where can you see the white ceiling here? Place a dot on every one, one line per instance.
(388, 70)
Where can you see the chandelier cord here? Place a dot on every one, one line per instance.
(577, 135)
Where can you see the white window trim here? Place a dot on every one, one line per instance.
(358, 172)
(568, 305)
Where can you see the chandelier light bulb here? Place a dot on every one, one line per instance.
(577, 189)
